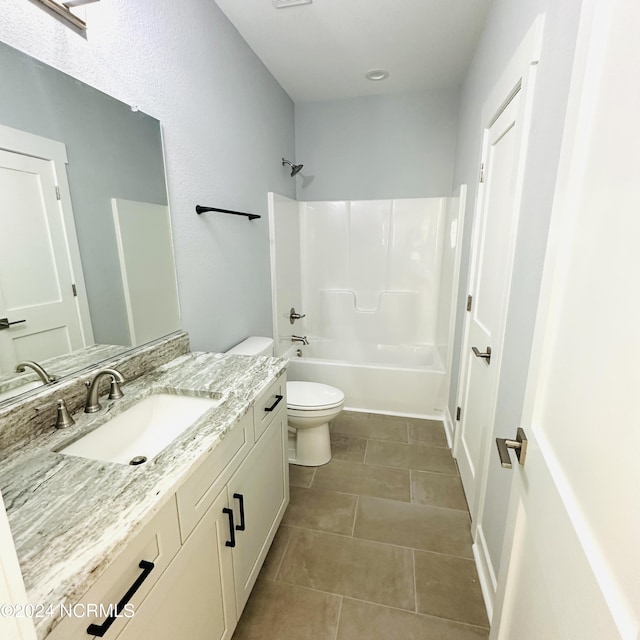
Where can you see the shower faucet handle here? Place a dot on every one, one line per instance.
(293, 316)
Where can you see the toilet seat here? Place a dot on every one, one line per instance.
(312, 396)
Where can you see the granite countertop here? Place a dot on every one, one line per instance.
(71, 516)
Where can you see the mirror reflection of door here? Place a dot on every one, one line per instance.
(36, 280)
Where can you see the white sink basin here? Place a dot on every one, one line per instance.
(142, 431)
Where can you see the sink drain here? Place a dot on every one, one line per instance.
(138, 460)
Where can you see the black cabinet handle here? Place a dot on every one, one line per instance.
(232, 532)
(240, 498)
(100, 629)
(275, 404)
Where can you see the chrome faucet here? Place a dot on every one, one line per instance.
(302, 339)
(42, 374)
(92, 404)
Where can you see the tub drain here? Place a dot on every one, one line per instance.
(138, 460)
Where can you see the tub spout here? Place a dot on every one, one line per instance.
(302, 339)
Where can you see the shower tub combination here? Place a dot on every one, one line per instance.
(374, 284)
(392, 379)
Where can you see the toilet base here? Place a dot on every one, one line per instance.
(311, 446)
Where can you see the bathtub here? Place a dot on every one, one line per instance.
(393, 379)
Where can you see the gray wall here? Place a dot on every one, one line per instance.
(507, 23)
(112, 153)
(226, 123)
(376, 147)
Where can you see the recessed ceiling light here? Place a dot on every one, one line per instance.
(282, 4)
(376, 74)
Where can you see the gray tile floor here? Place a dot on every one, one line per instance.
(374, 545)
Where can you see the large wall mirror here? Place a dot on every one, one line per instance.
(86, 256)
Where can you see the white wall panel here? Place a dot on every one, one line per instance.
(371, 269)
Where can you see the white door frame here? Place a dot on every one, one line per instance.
(16, 141)
(518, 76)
(454, 235)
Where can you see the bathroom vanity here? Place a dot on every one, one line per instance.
(179, 540)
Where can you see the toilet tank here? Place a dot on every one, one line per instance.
(253, 346)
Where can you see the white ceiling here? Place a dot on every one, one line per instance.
(321, 51)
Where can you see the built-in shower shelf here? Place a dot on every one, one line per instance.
(251, 216)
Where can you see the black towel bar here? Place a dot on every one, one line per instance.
(251, 216)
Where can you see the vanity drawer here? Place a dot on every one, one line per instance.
(202, 487)
(158, 543)
(269, 404)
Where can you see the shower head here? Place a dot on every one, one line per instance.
(295, 168)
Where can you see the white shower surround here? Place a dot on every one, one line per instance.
(368, 275)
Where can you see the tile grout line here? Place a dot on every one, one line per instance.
(379, 604)
(414, 504)
(342, 493)
(284, 552)
(378, 542)
(355, 516)
(411, 487)
(416, 613)
(415, 585)
(339, 616)
(348, 597)
(384, 466)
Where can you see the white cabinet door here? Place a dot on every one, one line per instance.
(194, 598)
(260, 489)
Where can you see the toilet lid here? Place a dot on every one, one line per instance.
(312, 395)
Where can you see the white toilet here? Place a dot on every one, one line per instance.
(310, 408)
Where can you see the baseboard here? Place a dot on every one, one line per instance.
(488, 582)
(448, 427)
(421, 416)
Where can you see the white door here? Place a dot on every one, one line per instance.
(492, 258)
(36, 284)
(571, 565)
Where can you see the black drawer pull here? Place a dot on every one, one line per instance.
(232, 529)
(275, 404)
(100, 629)
(240, 498)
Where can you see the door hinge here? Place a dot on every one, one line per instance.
(469, 302)
(75, 291)
(458, 413)
(482, 172)
(58, 197)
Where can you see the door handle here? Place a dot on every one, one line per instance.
(519, 445)
(5, 324)
(486, 355)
